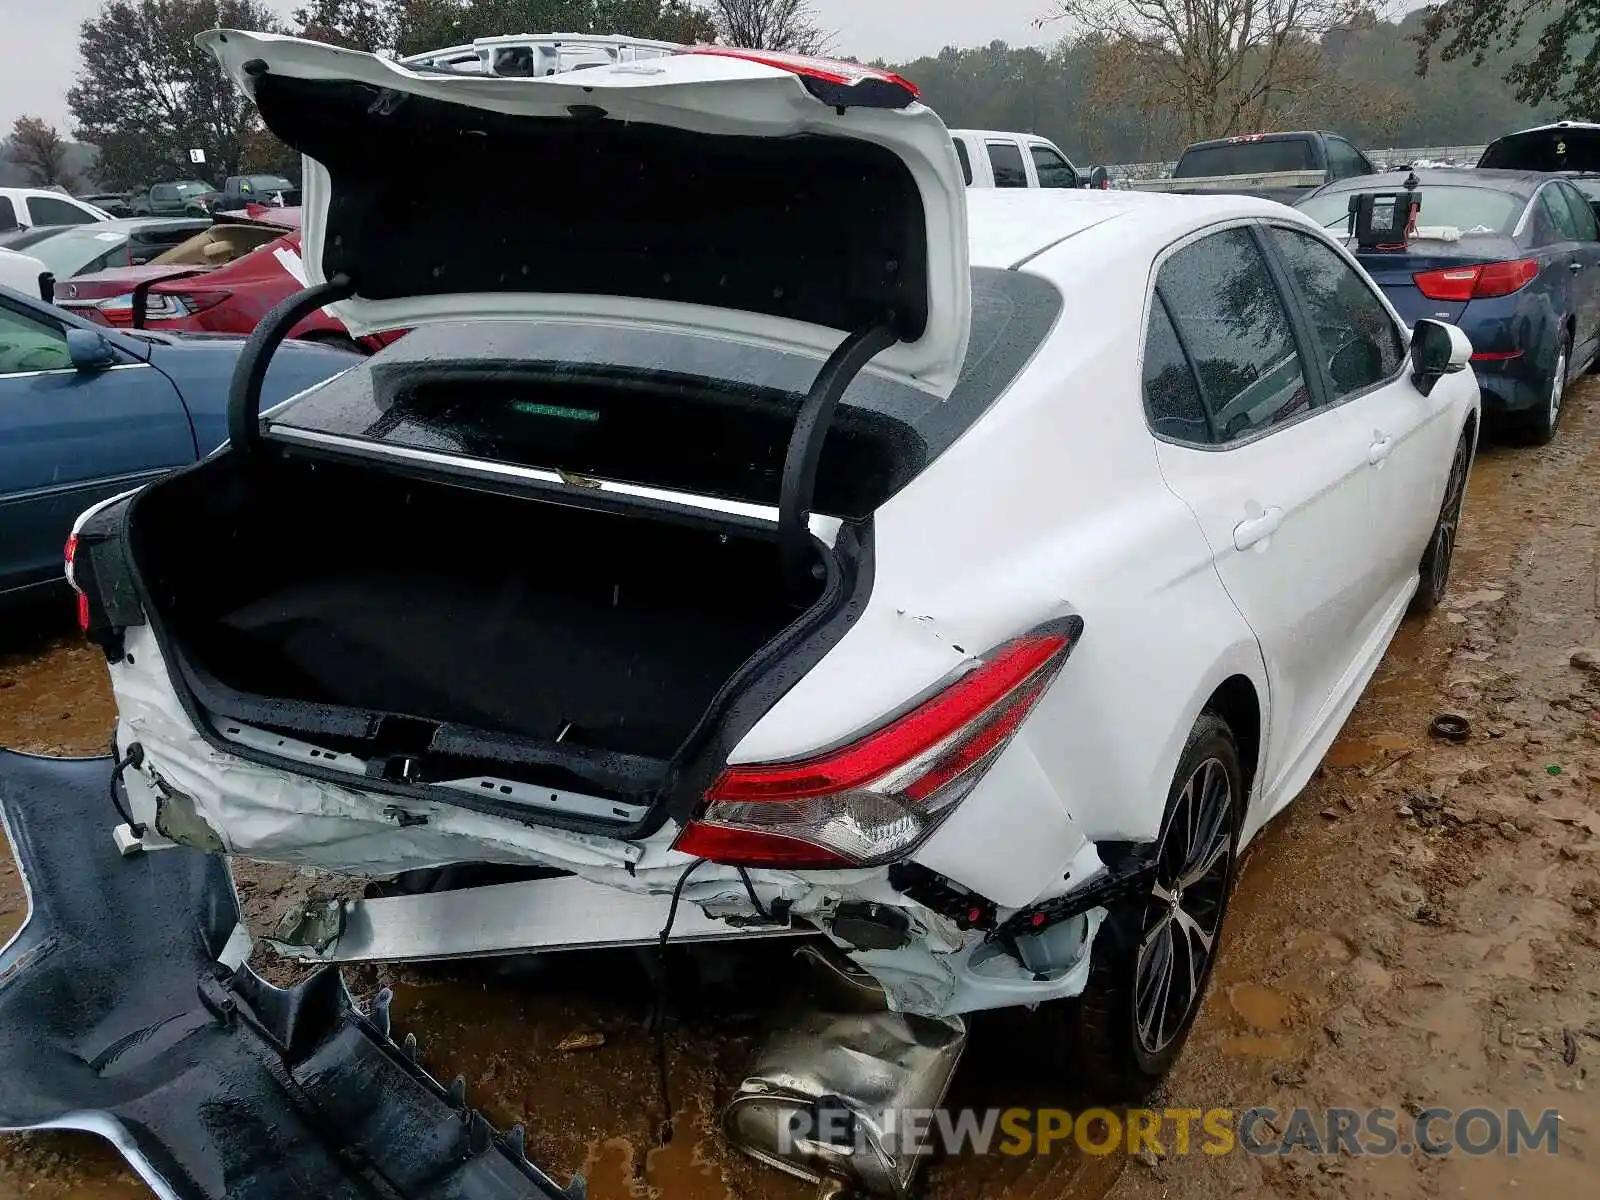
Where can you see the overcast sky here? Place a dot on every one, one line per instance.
(40, 57)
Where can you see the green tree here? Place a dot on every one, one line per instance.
(359, 24)
(145, 94)
(770, 25)
(38, 148)
(434, 24)
(1552, 43)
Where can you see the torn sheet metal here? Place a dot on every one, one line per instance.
(116, 1018)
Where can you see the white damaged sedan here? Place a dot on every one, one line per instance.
(759, 532)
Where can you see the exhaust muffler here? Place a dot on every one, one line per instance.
(842, 1095)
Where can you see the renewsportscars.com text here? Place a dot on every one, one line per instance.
(1184, 1131)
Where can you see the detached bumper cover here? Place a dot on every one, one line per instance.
(117, 1018)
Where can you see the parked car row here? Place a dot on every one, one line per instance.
(782, 591)
(1509, 251)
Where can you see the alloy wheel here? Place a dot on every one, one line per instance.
(1444, 536)
(1558, 386)
(1183, 912)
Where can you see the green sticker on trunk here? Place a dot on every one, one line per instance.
(555, 410)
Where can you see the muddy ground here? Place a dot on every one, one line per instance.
(1419, 930)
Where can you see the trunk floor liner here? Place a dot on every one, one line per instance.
(507, 654)
(116, 1018)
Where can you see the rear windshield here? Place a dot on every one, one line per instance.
(671, 410)
(1469, 209)
(1246, 158)
(79, 249)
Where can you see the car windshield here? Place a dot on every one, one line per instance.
(265, 183)
(1246, 158)
(1589, 185)
(1469, 209)
(70, 251)
(191, 187)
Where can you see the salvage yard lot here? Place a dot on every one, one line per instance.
(1419, 930)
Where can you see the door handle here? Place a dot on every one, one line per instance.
(1574, 267)
(1254, 530)
(1379, 450)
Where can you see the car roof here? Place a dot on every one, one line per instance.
(1009, 226)
(1518, 183)
(1002, 133)
(1551, 125)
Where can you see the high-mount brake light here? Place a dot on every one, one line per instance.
(843, 84)
(871, 801)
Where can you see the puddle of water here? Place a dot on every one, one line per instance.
(1274, 1046)
(1262, 1008)
(1327, 947)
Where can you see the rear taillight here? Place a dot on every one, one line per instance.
(183, 304)
(1483, 281)
(108, 601)
(873, 800)
(71, 555)
(829, 80)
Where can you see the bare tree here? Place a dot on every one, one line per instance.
(770, 25)
(1222, 66)
(40, 150)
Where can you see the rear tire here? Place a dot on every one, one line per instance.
(1544, 420)
(1434, 570)
(1153, 955)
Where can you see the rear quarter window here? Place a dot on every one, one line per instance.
(672, 410)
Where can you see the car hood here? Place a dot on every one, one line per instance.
(773, 199)
(1563, 146)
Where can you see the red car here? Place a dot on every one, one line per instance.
(197, 297)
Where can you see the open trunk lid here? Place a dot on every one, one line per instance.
(781, 200)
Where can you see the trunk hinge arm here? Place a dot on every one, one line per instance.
(795, 493)
(244, 393)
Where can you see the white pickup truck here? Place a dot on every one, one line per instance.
(994, 159)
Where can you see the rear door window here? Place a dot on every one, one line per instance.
(1231, 318)
(1053, 170)
(1352, 330)
(8, 214)
(966, 160)
(1344, 162)
(1005, 158)
(1558, 214)
(1583, 218)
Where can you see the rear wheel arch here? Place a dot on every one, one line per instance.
(1237, 703)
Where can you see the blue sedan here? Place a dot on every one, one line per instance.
(1513, 258)
(86, 413)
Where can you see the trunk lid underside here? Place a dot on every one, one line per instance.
(697, 190)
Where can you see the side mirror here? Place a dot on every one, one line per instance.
(1099, 179)
(89, 351)
(1437, 350)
